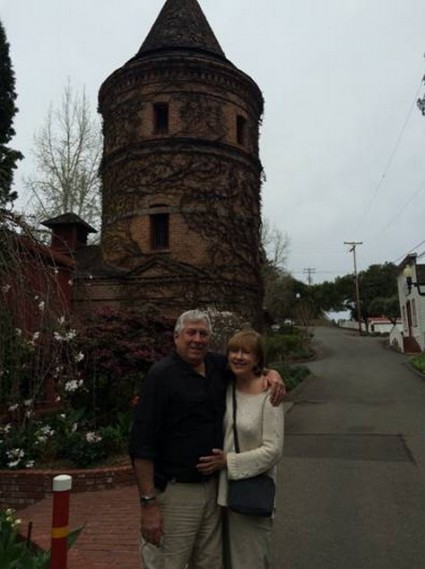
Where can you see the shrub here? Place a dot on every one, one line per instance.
(294, 345)
(17, 554)
(119, 347)
(292, 375)
(418, 362)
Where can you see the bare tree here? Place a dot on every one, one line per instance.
(278, 284)
(67, 150)
(275, 244)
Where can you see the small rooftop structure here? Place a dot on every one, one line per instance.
(69, 232)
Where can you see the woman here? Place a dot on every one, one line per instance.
(260, 434)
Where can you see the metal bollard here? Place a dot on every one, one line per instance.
(60, 518)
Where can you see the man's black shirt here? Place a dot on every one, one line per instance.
(179, 417)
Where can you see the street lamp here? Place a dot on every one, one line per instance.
(408, 274)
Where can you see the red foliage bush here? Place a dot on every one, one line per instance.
(119, 347)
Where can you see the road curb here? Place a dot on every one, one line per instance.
(414, 370)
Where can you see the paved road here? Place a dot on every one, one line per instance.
(352, 480)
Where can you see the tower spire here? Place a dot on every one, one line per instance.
(181, 24)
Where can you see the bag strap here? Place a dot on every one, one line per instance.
(235, 431)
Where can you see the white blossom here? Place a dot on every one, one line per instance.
(47, 431)
(65, 337)
(61, 320)
(13, 407)
(6, 288)
(18, 331)
(29, 464)
(73, 385)
(92, 437)
(79, 357)
(10, 518)
(7, 428)
(28, 402)
(35, 336)
(15, 455)
(41, 305)
(71, 335)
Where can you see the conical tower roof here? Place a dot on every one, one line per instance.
(181, 24)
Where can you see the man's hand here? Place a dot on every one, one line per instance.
(151, 524)
(273, 380)
(209, 464)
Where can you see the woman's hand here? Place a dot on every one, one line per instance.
(209, 464)
(273, 380)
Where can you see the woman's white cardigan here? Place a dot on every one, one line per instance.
(260, 433)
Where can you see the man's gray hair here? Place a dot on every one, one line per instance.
(192, 316)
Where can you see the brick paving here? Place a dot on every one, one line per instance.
(110, 536)
(109, 539)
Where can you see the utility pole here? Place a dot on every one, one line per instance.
(310, 272)
(353, 245)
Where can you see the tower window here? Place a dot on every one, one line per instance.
(160, 117)
(159, 231)
(241, 130)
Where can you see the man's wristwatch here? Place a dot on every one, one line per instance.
(147, 500)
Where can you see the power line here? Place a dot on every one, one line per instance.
(409, 251)
(390, 160)
(400, 211)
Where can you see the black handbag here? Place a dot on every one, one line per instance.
(250, 496)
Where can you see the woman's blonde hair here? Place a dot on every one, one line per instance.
(251, 341)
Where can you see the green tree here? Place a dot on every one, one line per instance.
(388, 307)
(378, 293)
(8, 109)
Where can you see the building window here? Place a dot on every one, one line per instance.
(159, 231)
(160, 117)
(241, 130)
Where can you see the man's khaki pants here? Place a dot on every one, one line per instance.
(192, 529)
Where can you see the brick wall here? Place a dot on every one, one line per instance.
(21, 488)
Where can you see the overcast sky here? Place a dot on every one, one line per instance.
(342, 141)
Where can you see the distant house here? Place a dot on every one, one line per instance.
(376, 325)
(412, 305)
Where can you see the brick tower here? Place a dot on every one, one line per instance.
(181, 173)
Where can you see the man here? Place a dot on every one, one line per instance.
(178, 420)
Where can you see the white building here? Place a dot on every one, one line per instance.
(376, 325)
(411, 294)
